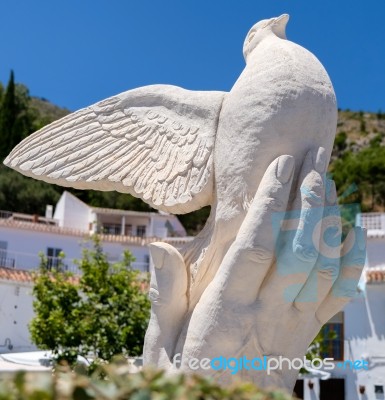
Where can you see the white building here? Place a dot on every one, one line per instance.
(15, 310)
(23, 237)
(361, 328)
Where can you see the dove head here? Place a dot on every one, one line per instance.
(262, 29)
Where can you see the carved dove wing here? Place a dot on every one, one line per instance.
(154, 142)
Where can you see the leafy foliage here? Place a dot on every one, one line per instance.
(103, 312)
(340, 141)
(320, 345)
(15, 118)
(120, 384)
(366, 170)
(1, 92)
(21, 194)
(18, 120)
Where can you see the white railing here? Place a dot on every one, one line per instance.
(30, 262)
(37, 219)
(371, 221)
(5, 214)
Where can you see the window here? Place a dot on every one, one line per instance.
(53, 259)
(128, 230)
(147, 263)
(299, 389)
(332, 389)
(333, 342)
(378, 389)
(111, 229)
(115, 229)
(3, 248)
(141, 230)
(5, 261)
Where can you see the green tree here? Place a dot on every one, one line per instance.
(366, 170)
(21, 194)
(8, 113)
(103, 312)
(340, 141)
(1, 93)
(15, 118)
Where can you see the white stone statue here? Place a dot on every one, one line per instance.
(241, 288)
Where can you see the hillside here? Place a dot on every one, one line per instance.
(47, 112)
(358, 159)
(357, 130)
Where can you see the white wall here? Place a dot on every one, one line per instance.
(15, 314)
(161, 221)
(376, 252)
(365, 338)
(24, 246)
(72, 213)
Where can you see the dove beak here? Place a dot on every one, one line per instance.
(281, 20)
(279, 25)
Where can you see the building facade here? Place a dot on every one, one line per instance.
(23, 237)
(68, 230)
(360, 327)
(15, 310)
(361, 332)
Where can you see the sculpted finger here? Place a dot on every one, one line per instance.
(327, 268)
(311, 201)
(249, 258)
(169, 302)
(169, 276)
(297, 247)
(345, 287)
(331, 193)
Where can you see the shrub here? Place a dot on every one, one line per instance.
(120, 384)
(104, 312)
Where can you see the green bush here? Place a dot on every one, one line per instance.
(120, 384)
(340, 141)
(103, 312)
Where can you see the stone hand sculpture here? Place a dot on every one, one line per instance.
(246, 310)
(180, 150)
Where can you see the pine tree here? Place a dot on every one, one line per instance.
(1, 93)
(15, 118)
(8, 114)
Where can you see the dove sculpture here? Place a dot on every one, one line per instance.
(243, 153)
(180, 150)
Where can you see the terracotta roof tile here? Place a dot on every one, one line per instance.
(133, 240)
(15, 275)
(18, 275)
(375, 275)
(376, 233)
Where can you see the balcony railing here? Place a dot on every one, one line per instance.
(30, 262)
(7, 262)
(372, 221)
(5, 214)
(37, 219)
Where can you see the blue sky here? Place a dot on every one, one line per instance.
(76, 52)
